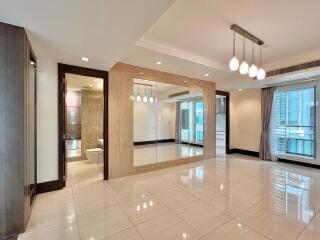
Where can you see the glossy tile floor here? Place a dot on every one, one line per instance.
(223, 198)
(162, 152)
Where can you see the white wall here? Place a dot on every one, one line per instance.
(47, 121)
(146, 126)
(245, 119)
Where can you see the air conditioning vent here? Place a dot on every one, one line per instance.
(178, 94)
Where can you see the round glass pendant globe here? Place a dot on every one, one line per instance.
(138, 98)
(244, 68)
(145, 99)
(151, 99)
(253, 70)
(234, 64)
(261, 74)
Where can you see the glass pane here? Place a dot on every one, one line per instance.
(73, 115)
(220, 124)
(294, 122)
(144, 129)
(199, 121)
(73, 111)
(168, 128)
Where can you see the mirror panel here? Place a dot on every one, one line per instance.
(144, 127)
(168, 122)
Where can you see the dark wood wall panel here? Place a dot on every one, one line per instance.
(13, 185)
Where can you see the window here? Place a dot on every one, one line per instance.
(199, 121)
(191, 121)
(293, 127)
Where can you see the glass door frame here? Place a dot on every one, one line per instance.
(305, 159)
(227, 140)
(194, 121)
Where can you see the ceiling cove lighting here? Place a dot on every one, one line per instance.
(244, 68)
(234, 62)
(85, 59)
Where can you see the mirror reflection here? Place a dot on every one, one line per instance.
(168, 122)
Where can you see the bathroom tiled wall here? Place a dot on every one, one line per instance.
(91, 119)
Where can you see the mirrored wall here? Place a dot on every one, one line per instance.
(168, 122)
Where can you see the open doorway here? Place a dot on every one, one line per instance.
(222, 122)
(83, 145)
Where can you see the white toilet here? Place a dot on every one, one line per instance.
(94, 155)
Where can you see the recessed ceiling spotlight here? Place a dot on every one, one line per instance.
(240, 89)
(141, 73)
(159, 63)
(85, 59)
(185, 81)
(90, 85)
(207, 74)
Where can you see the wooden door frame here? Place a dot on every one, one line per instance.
(62, 70)
(227, 95)
(32, 57)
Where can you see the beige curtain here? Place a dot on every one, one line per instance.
(266, 108)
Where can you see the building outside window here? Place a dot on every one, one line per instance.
(293, 121)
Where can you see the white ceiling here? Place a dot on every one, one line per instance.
(163, 90)
(190, 37)
(66, 30)
(77, 82)
(159, 89)
(196, 36)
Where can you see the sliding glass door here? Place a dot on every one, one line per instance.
(198, 121)
(294, 122)
(192, 121)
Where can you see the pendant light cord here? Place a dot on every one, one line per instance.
(244, 49)
(260, 56)
(234, 43)
(252, 53)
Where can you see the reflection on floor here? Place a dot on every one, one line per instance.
(161, 152)
(222, 198)
(220, 141)
(82, 171)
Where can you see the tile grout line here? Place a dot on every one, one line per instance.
(135, 227)
(76, 212)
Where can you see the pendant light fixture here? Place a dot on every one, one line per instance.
(145, 98)
(253, 68)
(151, 97)
(234, 62)
(244, 67)
(138, 97)
(261, 72)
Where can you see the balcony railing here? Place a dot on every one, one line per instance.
(297, 140)
(302, 147)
